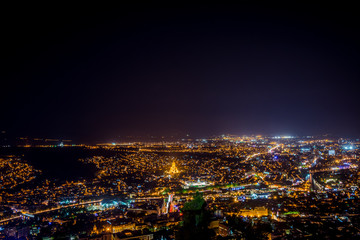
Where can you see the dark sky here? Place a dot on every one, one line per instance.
(96, 73)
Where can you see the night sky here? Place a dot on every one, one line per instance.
(94, 73)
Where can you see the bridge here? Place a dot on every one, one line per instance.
(28, 214)
(334, 168)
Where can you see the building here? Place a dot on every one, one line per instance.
(224, 230)
(256, 212)
(173, 169)
(123, 227)
(198, 183)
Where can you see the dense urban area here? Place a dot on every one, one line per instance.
(225, 187)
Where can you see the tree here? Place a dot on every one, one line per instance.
(196, 219)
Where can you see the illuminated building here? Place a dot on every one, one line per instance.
(257, 212)
(198, 183)
(173, 169)
(122, 227)
(168, 205)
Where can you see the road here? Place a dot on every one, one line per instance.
(49, 210)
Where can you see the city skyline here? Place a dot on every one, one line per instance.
(11, 141)
(249, 187)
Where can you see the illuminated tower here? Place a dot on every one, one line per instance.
(169, 202)
(311, 182)
(164, 207)
(168, 205)
(94, 230)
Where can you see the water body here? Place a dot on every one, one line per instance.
(61, 163)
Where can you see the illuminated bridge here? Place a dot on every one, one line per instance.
(27, 214)
(334, 168)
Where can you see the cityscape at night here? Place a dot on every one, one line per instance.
(161, 122)
(250, 187)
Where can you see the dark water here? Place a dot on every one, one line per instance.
(58, 163)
